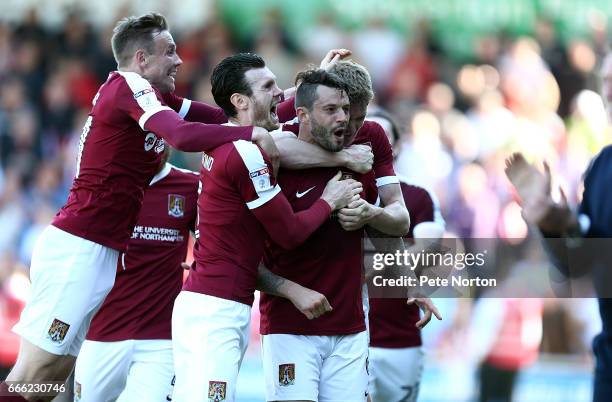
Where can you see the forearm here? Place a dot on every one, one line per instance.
(191, 136)
(287, 228)
(272, 284)
(205, 113)
(297, 154)
(392, 219)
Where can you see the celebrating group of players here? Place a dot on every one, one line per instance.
(286, 192)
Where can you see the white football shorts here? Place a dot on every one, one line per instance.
(70, 277)
(315, 368)
(209, 336)
(125, 371)
(395, 374)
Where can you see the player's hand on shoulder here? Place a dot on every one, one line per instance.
(428, 307)
(358, 158)
(333, 56)
(310, 302)
(262, 137)
(339, 193)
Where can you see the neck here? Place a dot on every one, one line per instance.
(305, 135)
(130, 68)
(241, 119)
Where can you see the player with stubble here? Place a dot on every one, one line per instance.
(74, 262)
(239, 203)
(322, 359)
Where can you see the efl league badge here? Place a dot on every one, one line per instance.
(286, 374)
(216, 391)
(57, 331)
(176, 205)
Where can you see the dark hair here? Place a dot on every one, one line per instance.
(133, 33)
(228, 78)
(307, 83)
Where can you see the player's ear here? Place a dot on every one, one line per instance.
(302, 115)
(240, 101)
(141, 58)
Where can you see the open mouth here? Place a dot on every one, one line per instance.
(338, 132)
(172, 74)
(273, 112)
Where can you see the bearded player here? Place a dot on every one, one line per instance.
(74, 261)
(239, 203)
(323, 359)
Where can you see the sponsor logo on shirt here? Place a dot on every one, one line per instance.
(259, 172)
(207, 161)
(261, 179)
(216, 391)
(57, 331)
(286, 374)
(151, 141)
(176, 205)
(143, 92)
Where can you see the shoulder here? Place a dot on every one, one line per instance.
(138, 88)
(248, 152)
(184, 175)
(373, 134)
(599, 164)
(373, 131)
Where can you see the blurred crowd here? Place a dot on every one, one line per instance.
(459, 119)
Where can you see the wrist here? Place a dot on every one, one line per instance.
(331, 203)
(373, 213)
(342, 158)
(289, 290)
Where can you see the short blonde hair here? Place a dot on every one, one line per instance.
(357, 80)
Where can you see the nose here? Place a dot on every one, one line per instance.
(277, 91)
(178, 60)
(341, 116)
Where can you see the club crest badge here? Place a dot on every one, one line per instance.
(57, 331)
(216, 391)
(346, 176)
(176, 205)
(286, 374)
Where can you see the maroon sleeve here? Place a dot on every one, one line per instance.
(249, 169)
(286, 110)
(420, 205)
(383, 154)
(191, 136)
(195, 111)
(289, 229)
(205, 113)
(173, 101)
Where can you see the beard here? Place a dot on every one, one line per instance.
(325, 138)
(262, 118)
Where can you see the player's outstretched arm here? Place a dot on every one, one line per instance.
(554, 220)
(298, 154)
(194, 137)
(310, 302)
